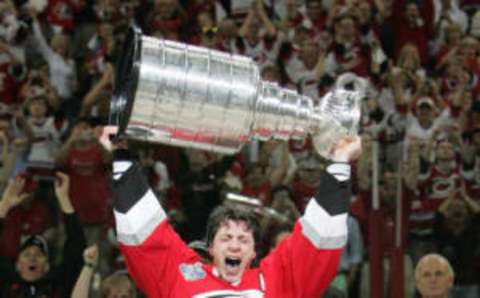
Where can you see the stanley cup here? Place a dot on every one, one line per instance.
(184, 95)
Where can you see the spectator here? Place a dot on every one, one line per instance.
(166, 19)
(347, 52)
(268, 172)
(44, 131)
(434, 276)
(31, 216)
(227, 35)
(447, 12)
(100, 48)
(113, 286)
(12, 73)
(306, 68)
(32, 275)
(280, 214)
(409, 62)
(412, 24)
(11, 147)
(57, 55)
(471, 162)
(87, 162)
(200, 192)
(385, 226)
(306, 179)
(424, 120)
(436, 180)
(447, 49)
(457, 235)
(259, 36)
(94, 102)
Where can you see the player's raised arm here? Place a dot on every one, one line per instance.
(304, 264)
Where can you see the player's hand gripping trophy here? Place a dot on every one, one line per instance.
(184, 95)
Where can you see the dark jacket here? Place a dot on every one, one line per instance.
(60, 280)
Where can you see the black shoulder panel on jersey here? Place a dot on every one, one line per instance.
(129, 188)
(333, 195)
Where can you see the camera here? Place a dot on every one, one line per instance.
(17, 71)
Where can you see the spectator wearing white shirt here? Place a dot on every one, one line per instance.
(61, 67)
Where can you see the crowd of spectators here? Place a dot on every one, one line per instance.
(416, 185)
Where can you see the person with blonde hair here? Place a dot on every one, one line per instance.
(61, 66)
(116, 285)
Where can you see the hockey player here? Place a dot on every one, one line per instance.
(303, 265)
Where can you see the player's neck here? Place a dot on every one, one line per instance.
(217, 273)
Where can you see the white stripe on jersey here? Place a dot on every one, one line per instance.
(323, 230)
(231, 294)
(140, 221)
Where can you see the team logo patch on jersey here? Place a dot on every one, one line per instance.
(192, 272)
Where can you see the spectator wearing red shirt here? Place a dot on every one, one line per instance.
(166, 19)
(256, 183)
(12, 72)
(60, 15)
(347, 53)
(316, 17)
(30, 217)
(87, 163)
(412, 24)
(446, 50)
(439, 175)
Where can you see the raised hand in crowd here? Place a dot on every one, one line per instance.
(93, 96)
(62, 188)
(12, 196)
(90, 261)
(90, 255)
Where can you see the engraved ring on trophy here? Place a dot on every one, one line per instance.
(184, 95)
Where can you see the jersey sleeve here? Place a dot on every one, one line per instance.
(152, 250)
(304, 263)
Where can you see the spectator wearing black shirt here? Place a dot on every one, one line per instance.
(457, 233)
(31, 275)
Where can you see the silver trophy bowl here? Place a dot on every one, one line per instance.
(189, 96)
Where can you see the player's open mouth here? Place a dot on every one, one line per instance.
(232, 262)
(232, 266)
(32, 267)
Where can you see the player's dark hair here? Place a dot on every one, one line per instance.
(222, 214)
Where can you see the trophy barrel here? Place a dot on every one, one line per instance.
(183, 95)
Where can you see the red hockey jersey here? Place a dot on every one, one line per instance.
(162, 265)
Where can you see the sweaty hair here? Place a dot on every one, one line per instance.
(223, 214)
